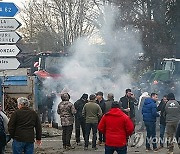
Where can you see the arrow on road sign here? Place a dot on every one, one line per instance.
(9, 63)
(8, 9)
(9, 24)
(9, 37)
(9, 50)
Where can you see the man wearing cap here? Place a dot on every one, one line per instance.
(79, 119)
(117, 127)
(101, 102)
(21, 128)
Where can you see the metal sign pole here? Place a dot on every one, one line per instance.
(3, 91)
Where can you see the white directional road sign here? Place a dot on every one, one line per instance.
(9, 50)
(9, 24)
(9, 63)
(9, 37)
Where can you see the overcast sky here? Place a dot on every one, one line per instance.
(17, 2)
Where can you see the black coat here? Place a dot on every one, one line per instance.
(79, 104)
(124, 105)
(161, 108)
(22, 124)
(50, 101)
(102, 105)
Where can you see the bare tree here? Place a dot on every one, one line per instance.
(55, 24)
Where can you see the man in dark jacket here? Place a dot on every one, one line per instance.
(101, 102)
(161, 108)
(49, 102)
(2, 134)
(117, 127)
(172, 111)
(79, 119)
(92, 113)
(127, 104)
(21, 128)
(150, 114)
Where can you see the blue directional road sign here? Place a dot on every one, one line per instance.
(8, 9)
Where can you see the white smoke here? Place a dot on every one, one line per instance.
(102, 67)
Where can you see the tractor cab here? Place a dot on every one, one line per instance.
(172, 65)
(49, 64)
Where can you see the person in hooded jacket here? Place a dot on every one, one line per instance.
(149, 112)
(79, 119)
(66, 110)
(117, 127)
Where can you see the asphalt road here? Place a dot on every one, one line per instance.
(52, 144)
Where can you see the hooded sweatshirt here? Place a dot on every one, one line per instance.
(116, 126)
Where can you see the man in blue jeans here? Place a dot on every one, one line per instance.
(92, 113)
(150, 114)
(21, 128)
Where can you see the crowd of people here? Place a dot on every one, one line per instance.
(107, 117)
(113, 121)
(99, 114)
(169, 113)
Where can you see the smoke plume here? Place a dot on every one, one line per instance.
(102, 67)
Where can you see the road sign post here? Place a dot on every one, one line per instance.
(8, 24)
(8, 36)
